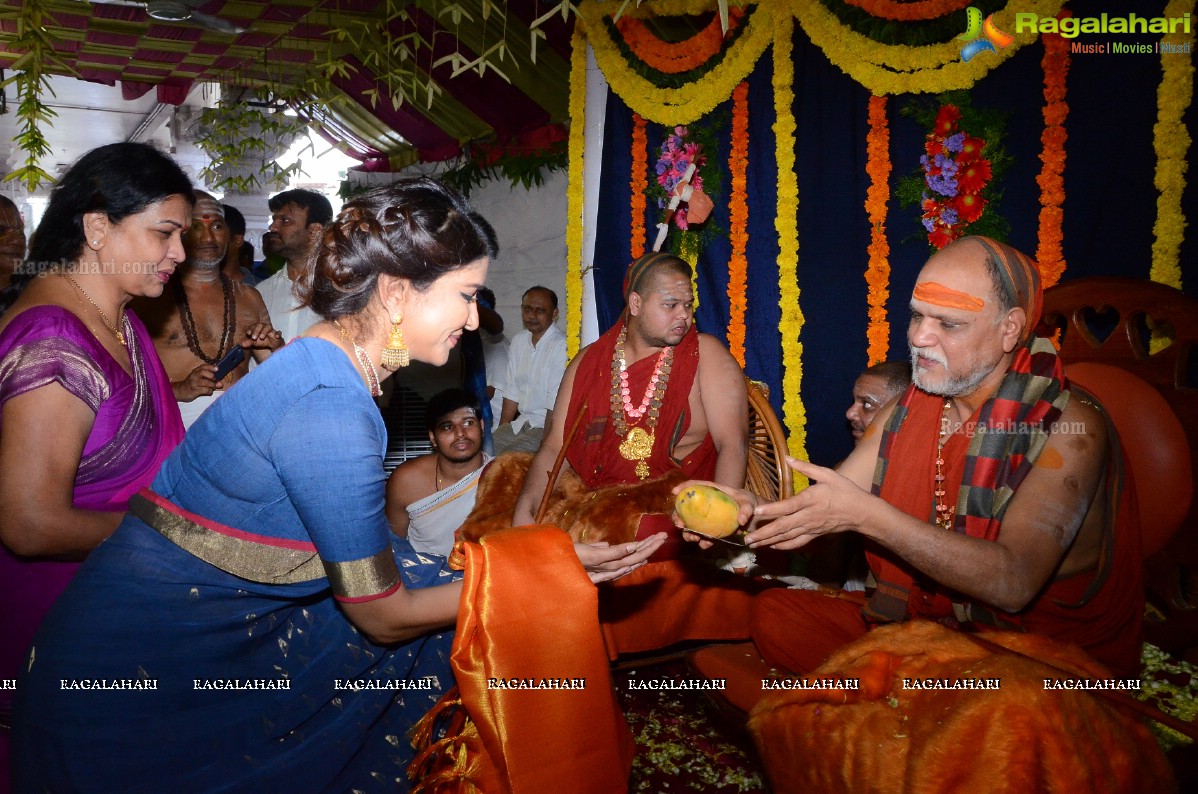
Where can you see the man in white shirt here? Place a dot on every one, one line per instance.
(297, 220)
(536, 363)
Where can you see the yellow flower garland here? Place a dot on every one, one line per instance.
(675, 106)
(877, 276)
(738, 220)
(574, 198)
(786, 222)
(901, 69)
(1171, 141)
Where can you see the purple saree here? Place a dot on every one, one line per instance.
(137, 424)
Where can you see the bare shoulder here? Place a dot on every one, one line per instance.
(412, 480)
(249, 294)
(1080, 434)
(710, 347)
(715, 362)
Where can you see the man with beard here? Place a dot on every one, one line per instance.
(12, 248)
(203, 314)
(428, 497)
(297, 220)
(653, 398)
(989, 494)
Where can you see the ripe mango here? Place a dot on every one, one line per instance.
(707, 510)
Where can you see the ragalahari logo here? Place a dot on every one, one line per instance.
(981, 36)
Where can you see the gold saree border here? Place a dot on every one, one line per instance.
(265, 560)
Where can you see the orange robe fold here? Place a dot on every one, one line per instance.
(1100, 610)
(905, 730)
(528, 615)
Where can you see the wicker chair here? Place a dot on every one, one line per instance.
(768, 476)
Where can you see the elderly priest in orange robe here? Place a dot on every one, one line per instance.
(990, 493)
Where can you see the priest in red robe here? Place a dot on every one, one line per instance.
(652, 398)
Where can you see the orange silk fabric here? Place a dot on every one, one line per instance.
(949, 298)
(528, 611)
(886, 737)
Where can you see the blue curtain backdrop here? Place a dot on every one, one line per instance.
(1110, 208)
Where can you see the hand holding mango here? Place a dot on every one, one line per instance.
(707, 510)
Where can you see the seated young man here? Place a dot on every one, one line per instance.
(428, 497)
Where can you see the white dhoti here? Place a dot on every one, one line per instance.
(434, 519)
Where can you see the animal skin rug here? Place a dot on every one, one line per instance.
(888, 738)
(611, 514)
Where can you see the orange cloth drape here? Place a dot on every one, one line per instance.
(529, 612)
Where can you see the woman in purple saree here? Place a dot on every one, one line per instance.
(86, 410)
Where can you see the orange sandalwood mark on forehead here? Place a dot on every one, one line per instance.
(949, 298)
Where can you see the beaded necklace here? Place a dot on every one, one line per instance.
(372, 377)
(189, 324)
(638, 441)
(945, 515)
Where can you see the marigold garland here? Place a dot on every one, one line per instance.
(738, 220)
(1171, 140)
(786, 222)
(639, 183)
(676, 57)
(900, 69)
(915, 11)
(574, 196)
(674, 106)
(1049, 254)
(877, 276)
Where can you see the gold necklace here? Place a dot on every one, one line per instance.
(638, 442)
(945, 515)
(372, 377)
(436, 474)
(120, 337)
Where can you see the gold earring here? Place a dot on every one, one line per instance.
(395, 354)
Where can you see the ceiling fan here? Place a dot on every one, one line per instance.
(179, 11)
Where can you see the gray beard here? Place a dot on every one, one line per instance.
(953, 386)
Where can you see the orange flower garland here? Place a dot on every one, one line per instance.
(678, 57)
(919, 10)
(639, 184)
(1051, 179)
(738, 214)
(877, 276)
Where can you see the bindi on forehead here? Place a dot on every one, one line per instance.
(947, 297)
(207, 212)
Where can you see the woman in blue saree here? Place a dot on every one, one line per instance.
(254, 625)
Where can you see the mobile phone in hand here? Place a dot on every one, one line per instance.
(231, 360)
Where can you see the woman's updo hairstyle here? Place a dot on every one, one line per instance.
(414, 229)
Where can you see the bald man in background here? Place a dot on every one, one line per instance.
(203, 314)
